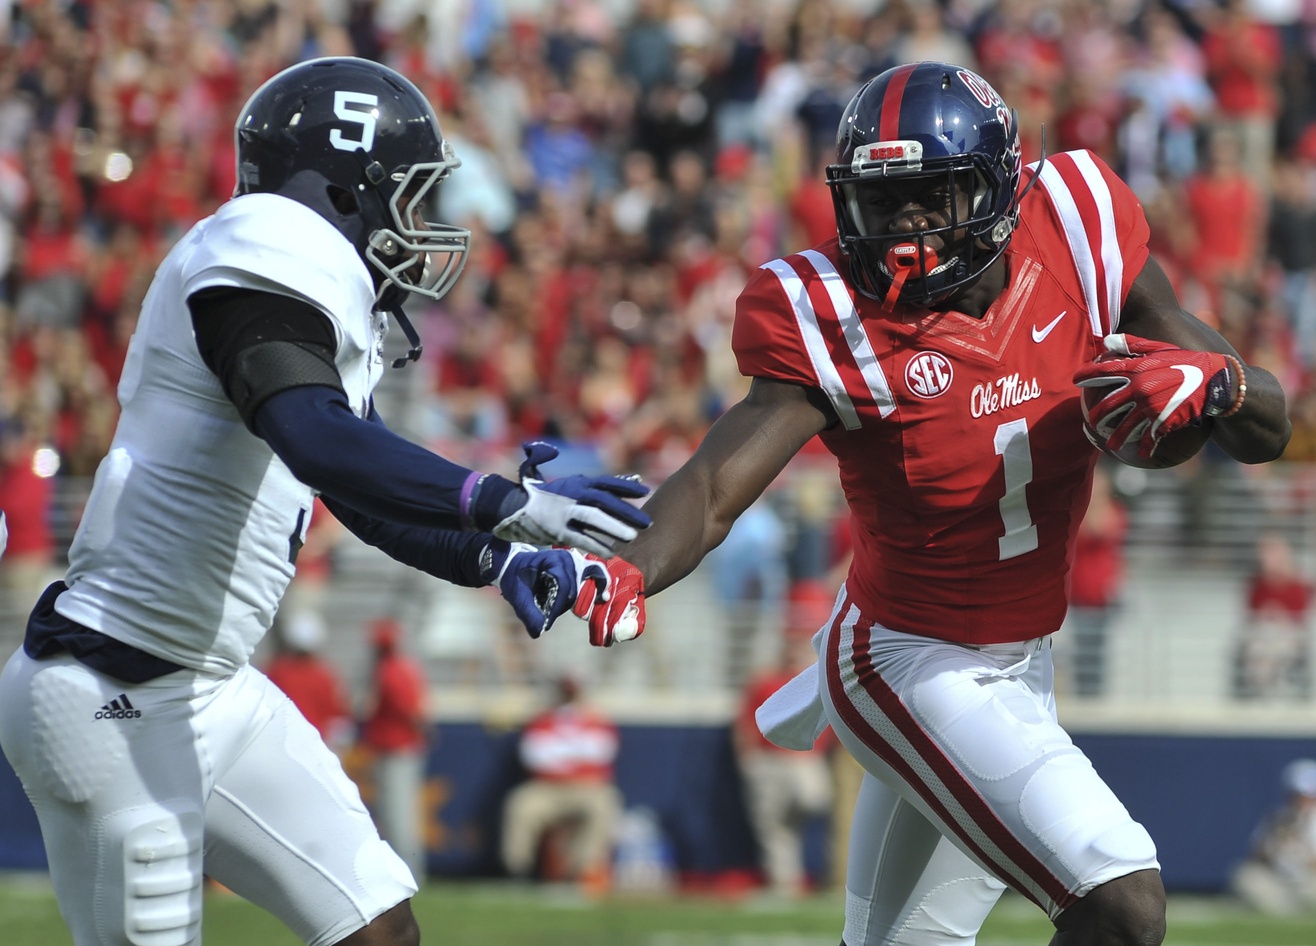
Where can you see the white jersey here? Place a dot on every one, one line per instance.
(188, 539)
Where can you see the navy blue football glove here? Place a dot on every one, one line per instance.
(587, 512)
(541, 585)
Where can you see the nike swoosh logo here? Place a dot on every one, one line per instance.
(1040, 333)
(1192, 380)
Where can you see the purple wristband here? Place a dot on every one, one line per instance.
(469, 489)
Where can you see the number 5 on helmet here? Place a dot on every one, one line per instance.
(612, 603)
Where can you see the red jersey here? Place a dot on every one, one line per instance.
(397, 723)
(570, 744)
(1279, 596)
(313, 687)
(960, 442)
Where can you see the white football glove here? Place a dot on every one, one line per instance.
(587, 512)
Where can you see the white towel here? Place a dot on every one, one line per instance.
(793, 717)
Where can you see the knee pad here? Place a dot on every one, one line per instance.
(162, 880)
(949, 914)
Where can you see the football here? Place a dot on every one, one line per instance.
(1175, 448)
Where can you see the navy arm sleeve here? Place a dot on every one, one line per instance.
(274, 356)
(458, 557)
(364, 465)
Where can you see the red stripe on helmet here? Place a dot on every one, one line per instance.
(889, 124)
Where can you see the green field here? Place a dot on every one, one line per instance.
(491, 914)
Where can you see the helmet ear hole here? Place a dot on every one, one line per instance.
(344, 200)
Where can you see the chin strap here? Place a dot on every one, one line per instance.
(901, 260)
(413, 338)
(897, 283)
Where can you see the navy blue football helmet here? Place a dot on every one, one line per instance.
(359, 144)
(917, 132)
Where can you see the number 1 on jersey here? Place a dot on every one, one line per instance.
(1017, 457)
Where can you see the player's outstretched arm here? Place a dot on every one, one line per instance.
(274, 358)
(740, 456)
(540, 585)
(373, 470)
(1243, 403)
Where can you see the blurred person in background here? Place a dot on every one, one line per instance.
(1291, 244)
(1272, 655)
(750, 581)
(300, 670)
(1244, 58)
(1096, 585)
(1227, 214)
(785, 790)
(395, 732)
(1164, 68)
(27, 490)
(1279, 874)
(568, 752)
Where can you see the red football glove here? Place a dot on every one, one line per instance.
(1155, 389)
(614, 604)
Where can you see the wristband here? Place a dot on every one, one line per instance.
(1242, 389)
(483, 499)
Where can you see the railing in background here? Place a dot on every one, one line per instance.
(1171, 649)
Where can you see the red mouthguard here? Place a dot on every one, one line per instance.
(905, 257)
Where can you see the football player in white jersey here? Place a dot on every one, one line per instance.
(150, 747)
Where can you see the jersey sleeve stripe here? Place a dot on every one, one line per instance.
(852, 327)
(1071, 220)
(829, 378)
(1112, 260)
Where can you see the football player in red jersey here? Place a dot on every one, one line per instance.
(935, 346)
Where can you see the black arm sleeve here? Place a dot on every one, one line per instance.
(261, 343)
(458, 557)
(363, 464)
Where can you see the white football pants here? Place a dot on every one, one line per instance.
(972, 785)
(140, 788)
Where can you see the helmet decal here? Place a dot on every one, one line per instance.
(364, 116)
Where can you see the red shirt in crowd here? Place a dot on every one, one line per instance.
(1097, 574)
(1289, 597)
(26, 497)
(397, 721)
(570, 743)
(315, 689)
(1243, 59)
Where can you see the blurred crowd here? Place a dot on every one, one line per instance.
(626, 165)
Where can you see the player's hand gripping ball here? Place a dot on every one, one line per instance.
(1149, 404)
